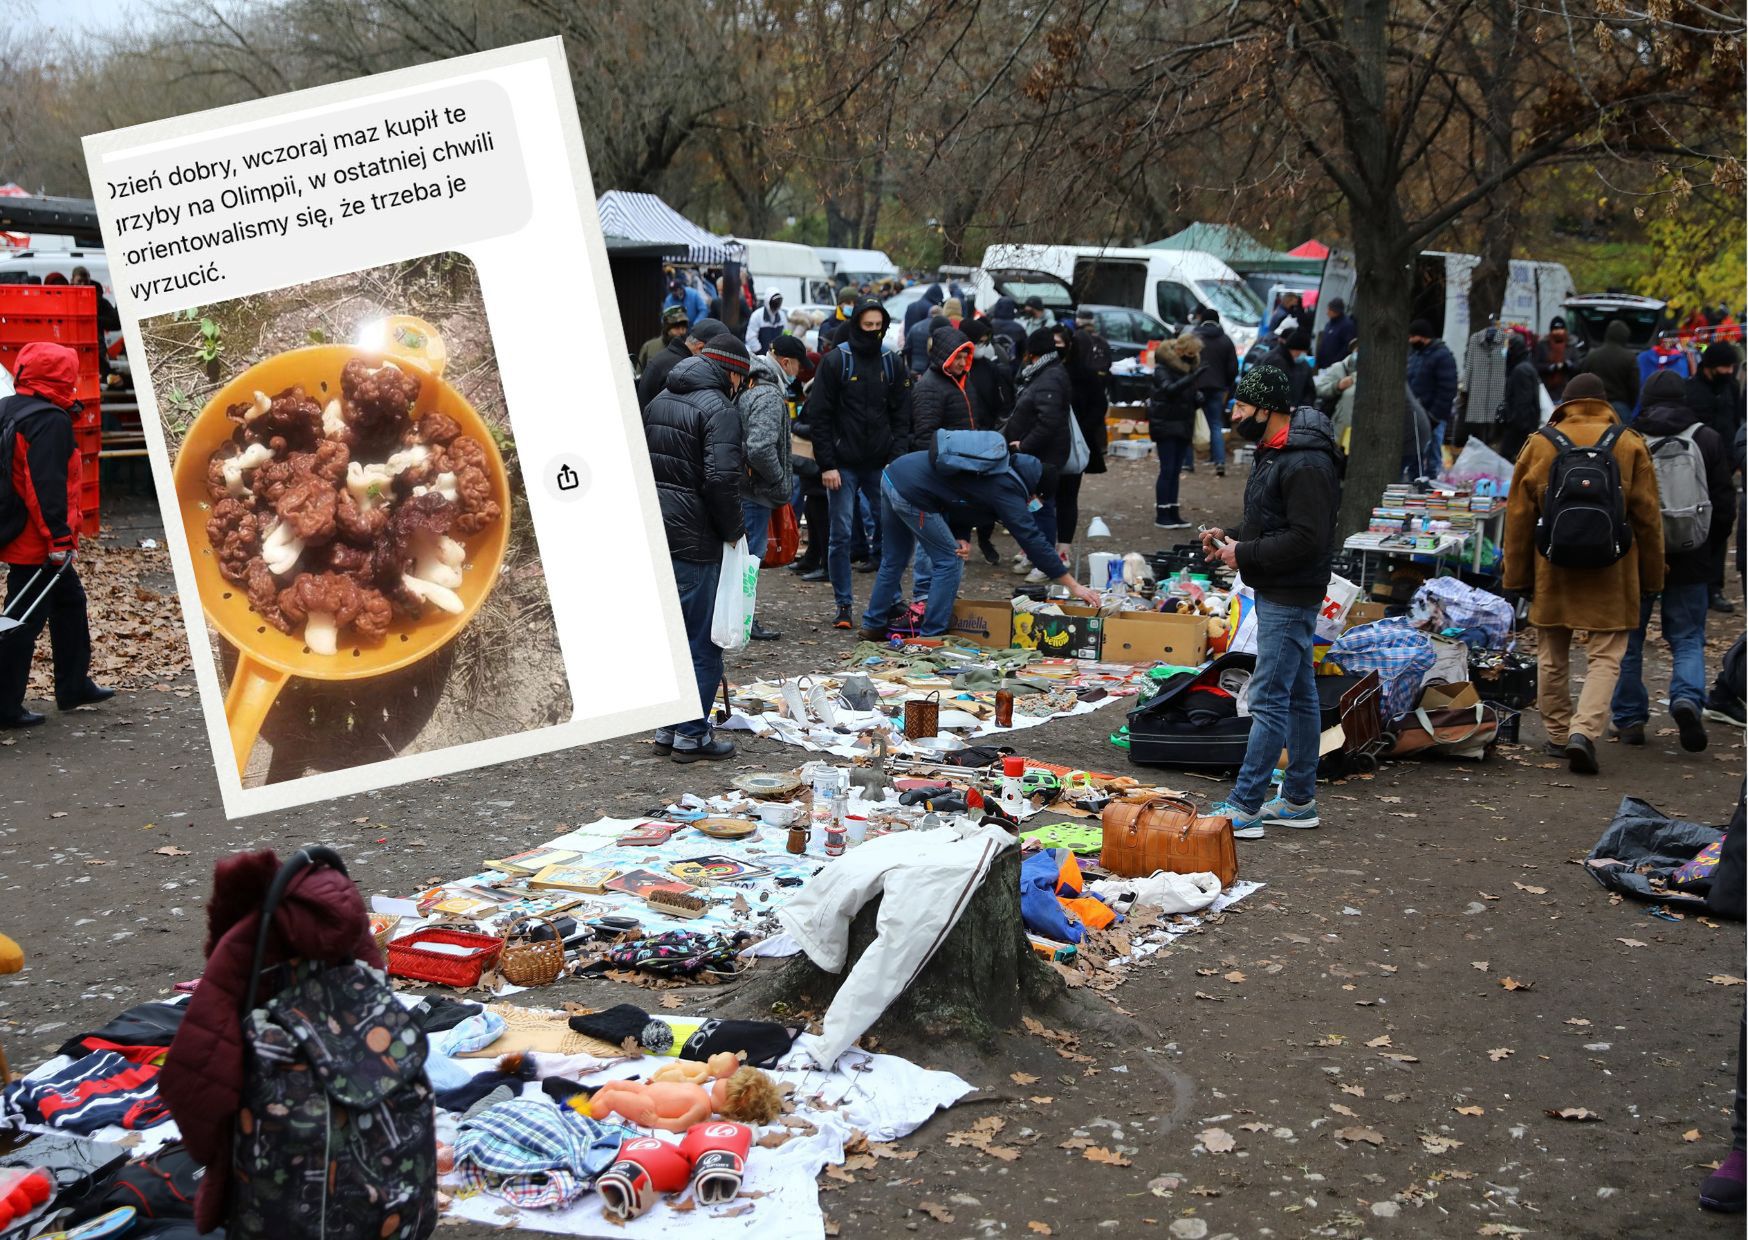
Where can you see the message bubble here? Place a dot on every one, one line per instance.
(353, 374)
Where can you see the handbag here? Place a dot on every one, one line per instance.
(1449, 719)
(1142, 838)
(1079, 455)
(782, 538)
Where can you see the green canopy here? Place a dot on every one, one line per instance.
(1236, 248)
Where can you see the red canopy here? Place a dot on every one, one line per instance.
(1310, 249)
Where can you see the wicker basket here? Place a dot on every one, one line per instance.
(382, 927)
(922, 717)
(527, 961)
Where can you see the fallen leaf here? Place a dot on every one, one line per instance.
(1577, 1020)
(1380, 1040)
(1502, 1229)
(771, 1140)
(1690, 1136)
(1478, 964)
(1534, 891)
(1042, 1229)
(1724, 979)
(170, 850)
(939, 1213)
(1580, 1115)
(1042, 1100)
(1471, 1110)
(1234, 976)
(1511, 983)
(1217, 1140)
(1211, 998)
(840, 1175)
(1099, 1154)
(672, 1002)
(1435, 1144)
(1500, 1052)
(734, 1211)
(97, 861)
(1357, 1133)
(60, 813)
(1631, 942)
(1074, 1143)
(1254, 1126)
(1398, 1057)
(1358, 1091)
(1341, 1110)
(1022, 1078)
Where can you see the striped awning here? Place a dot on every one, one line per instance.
(645, 217)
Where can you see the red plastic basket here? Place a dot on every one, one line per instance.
(406, 959)
(58, 300)
(88, 434)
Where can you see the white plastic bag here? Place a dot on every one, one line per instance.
(732, 625)
(1339, 596)
(1199, 438)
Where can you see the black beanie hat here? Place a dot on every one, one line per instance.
(728, 353)
(1300, 340)
(624, 1021)
(1718, 353)
(705, 329)
(1266, 388)
(1664, 387)
(789, 347)
(1041, 342)
(1421, 327)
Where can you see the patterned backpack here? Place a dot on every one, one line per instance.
(336, 1135)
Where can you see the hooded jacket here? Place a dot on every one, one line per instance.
(1286, 541)
(1666, 413)
(991, 384)
(1219, 354)
(1004, 317)
(1336, 339)
(1600, 600)
(1179, 375)
(321, 917)
(45, 453)
(694, 439)
(1556, 360)
(858, 409)
(1089, 370)
(1301, 381)
(764, 423)
(932, 296)
(1522, 407)
(1718, 403)
(655, 375)
(1039, 423)
(765, 324)
(1614, 362)
(916, 341)
(974, 500)
(938, 401)
(1432, 373)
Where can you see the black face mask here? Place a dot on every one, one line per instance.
(1251, 429)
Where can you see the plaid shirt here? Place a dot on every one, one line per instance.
(534, 1153)
(1401, 655)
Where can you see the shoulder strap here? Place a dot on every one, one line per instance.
(301, 860)
(1613, 433)
(1557, 438)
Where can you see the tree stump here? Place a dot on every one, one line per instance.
(977, 983)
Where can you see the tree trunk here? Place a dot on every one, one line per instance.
(978, 983)
(841, 230)
(1383, 274)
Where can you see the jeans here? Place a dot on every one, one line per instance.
(906, 528)
(856, 483)
(1684, 628)
(697, 583)
(1283, 706)
(1214, 409)
(1435, 451)
(63, 612)
(758, 522)
(1172, 453)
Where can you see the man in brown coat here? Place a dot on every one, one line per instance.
(1603, 602)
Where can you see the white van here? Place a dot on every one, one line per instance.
(787, 268)
(1171, 285)
(856, 266)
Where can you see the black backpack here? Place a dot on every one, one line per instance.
(1584, 512)
(13, 514)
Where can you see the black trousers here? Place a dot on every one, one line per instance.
(1067, 507)
(63, 613)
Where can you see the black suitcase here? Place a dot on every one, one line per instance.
(1163, 733)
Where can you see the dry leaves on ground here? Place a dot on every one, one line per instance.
(1066, 1044)
(170, 850)
(1724, 979)
(1511, 983)
(1099, 1154)
(1690, 1136)
(1500, 1052)
(1217, 1141)
(137, 637)
(1577, 1115)
(1435, 1144)
(1380, 1040)
(1359, 1132)
(1534, 891)
(1022, 1078)
(940, 1213)
(1042, 1229)
(1631, 942)
(981, 1137)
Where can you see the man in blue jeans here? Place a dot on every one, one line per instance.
(1283, 551)
(858, 412)
(694, 438)
(923, 506)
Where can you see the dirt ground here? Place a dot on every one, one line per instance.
(1362, 994)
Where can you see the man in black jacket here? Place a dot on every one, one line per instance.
(694, 438)
(1715, 397)
(858, 414)
(1283, 550)
(1039, 425)
(1220, 357)
(1286, 357)
(655, 375)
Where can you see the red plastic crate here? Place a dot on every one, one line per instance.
(88, 434)
(21, 329)
(59, 300)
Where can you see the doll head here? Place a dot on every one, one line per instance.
(749, 1096)
(723, 1065)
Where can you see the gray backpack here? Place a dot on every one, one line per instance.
(1681, 490)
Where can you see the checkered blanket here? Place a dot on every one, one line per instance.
(535, 1153)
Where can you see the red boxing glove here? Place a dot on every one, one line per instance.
(643, 1168)
(717, 1150)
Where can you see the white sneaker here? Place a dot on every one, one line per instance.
(1020, 564)
(1035, 576)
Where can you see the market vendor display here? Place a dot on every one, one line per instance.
(926, 506)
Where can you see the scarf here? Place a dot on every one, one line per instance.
(1035, 367)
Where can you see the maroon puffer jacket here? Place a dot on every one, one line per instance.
(321, 917)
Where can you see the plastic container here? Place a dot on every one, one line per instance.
(22, 1191)
(406, 959)
(855, 830)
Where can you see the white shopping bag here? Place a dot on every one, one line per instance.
(732, 625)
(1338, 598)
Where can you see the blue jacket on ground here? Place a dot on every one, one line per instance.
(972, 499)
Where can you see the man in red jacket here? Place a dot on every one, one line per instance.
(39, 529)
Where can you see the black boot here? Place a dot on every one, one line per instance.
(760, 633)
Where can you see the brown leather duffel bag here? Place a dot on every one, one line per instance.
(1165, 833)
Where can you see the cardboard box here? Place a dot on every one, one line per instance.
(1078, 633)
(1156, 637)
(985, 622)
(1364, 612)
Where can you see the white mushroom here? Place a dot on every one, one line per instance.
(369, 484)
(444, 486)
(263, 403)
(255, 455)
(333, 425)
(407, 458)
(281, 548)
(321, 632)
(431, 592)
(439, 560)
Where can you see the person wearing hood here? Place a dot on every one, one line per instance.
(923, 307)
(655, 375)
(1432, 375)
(765, 324)
(1089, 374)
(1556, 356)
(1520, 410)
(1715, 397)
(1289, 356)
(916, 339)
(1039, 424)
(764, 422)
(941, 400)
(1339, 332)
(39, 537)
(858, 413)
(1035, 314)
(1220, 356)
(1666, 423)
(921, 506)
(672, 338)
(1284, 548)
(690, 299)
(1614, 362)
(695, 452)
(1665, 353)
(1603, 602)
(1004, 317)
(1179, 377)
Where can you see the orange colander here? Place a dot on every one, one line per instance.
(267, 658)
